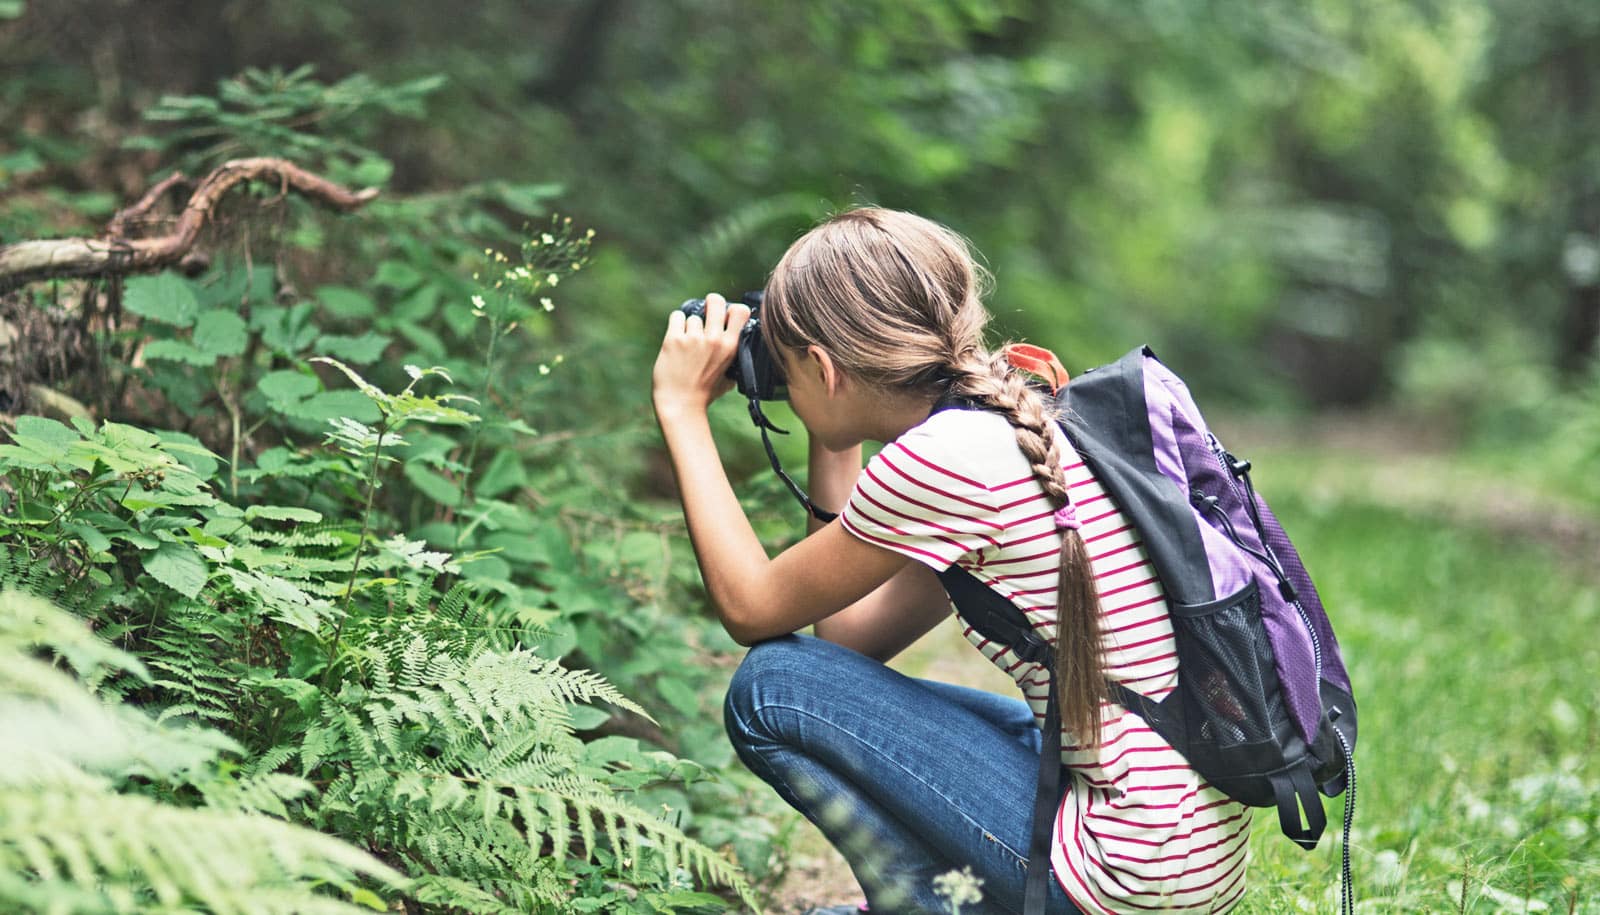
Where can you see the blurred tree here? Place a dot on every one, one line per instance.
(1322, 182)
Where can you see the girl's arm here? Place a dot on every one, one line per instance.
(755, 597)
(896, 613)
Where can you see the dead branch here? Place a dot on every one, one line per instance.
(118, 226)
(114, 253)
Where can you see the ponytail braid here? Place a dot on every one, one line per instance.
(1080, 663)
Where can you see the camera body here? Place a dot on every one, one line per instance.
(755, 370)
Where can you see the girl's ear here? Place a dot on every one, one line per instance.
(819, 362)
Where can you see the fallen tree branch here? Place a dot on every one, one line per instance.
(118, 226)
(113, 253)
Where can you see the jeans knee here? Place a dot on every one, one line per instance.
(763, 665)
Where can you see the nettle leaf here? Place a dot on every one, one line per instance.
(345, 303)
(679, 695)
(190, 452)
(366, 348)
(220, 332)
(96, 541)
(178, 567)
(397, 275)
(585, 717)
(504, 472)
(329, 405)
(165, 297)
(286, 330)
(432, 485)
(287, 387)
(40, 444)
(178, 351)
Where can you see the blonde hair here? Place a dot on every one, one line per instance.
(896, 302)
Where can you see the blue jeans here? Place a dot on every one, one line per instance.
(909, 779)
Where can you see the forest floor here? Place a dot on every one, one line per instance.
(1380, 460)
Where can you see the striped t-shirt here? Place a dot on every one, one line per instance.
(1138, 831)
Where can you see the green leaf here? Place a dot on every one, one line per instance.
(178, 351)
(92, 538)
(396, 275)
(287, 386)
(282, 513)
(486, 569)
(165, 297)
(190, 452)
(178, 567)
(221, 333)
(345, 303)
(22, 162)
(38, 444)
(12, 9)
(613, 749)
(640, 548)
(504, 472)
(363, 349)
(679, 695)
(428, 344)
(585, 717)
(333, 404)
(432, 485)
(286, 330)
(372, 171)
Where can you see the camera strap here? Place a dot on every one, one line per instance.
(762, 423)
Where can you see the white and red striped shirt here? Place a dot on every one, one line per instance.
(1139, 831)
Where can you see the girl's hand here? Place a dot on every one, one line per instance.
(695, 356)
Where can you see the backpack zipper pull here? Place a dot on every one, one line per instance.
(1209, 503)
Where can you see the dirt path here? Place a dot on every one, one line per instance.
(1389, 460)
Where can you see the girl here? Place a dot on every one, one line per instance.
(876, 318)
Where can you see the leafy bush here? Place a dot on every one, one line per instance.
(430, 730)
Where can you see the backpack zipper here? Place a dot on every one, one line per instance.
(1228, 462)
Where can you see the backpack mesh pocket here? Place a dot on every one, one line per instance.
(1226, 674)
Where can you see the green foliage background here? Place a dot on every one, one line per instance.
(306, 571)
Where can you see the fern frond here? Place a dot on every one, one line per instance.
(100, 843)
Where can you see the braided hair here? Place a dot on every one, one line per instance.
(896, 300)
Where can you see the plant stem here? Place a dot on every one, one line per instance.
(361, 543)
(477, 429)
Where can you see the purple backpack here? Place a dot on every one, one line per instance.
(1263, 708)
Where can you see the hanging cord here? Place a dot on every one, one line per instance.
(1347, 906)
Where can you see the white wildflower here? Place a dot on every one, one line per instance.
(960, 887)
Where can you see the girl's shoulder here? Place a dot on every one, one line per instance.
(977, 446)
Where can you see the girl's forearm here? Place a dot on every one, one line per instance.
(831, 477)
(731, 557)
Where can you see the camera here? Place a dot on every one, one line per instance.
(754, 370)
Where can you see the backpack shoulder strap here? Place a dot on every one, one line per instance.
(1108, 418)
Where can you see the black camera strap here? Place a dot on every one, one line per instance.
(762, 423)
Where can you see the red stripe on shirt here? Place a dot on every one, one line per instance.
(935, 467)
(901, 495)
